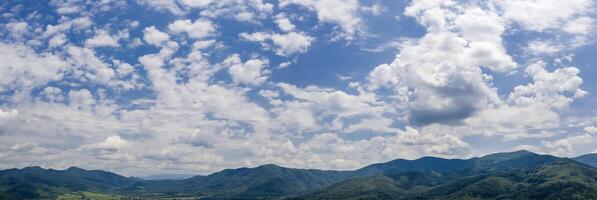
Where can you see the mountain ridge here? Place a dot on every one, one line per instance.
(396, 177)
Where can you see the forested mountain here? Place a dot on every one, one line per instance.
(513, 175)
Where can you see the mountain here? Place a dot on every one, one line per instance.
(589, 159)
(36, 182)
(157, 177)
(265, 181)
(514, 160)
(513, 175)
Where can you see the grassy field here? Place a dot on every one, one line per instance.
(100, 196)
(89, 196)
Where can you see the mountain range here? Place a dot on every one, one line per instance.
(512, 175)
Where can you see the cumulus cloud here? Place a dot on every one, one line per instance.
(17, 29)
(164, 5)
(198, 29)
(590, 129)
(375, 9)
(567, 146)
(540, 15)
(539, 47)
(24, 68)
(196, 3)
(112, 142)
(344, 13)
(89, 66)
(439, 76)
(555, 89)
(5, 114)
(284, 23)
(102, 39)
(252, 71)
(286, 44)
(153, 36)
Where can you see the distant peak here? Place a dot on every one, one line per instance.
(33, 168)
(522, 152)
(513, 153)
(269, 166)
(75, 169)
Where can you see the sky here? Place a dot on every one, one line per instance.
(143, 87)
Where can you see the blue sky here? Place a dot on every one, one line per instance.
(195, 86)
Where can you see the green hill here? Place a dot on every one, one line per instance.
(514, 175)
(589, 159)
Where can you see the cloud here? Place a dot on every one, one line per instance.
(153, 36)
(163, 5)
(590, 129)
(555, 89)
(540, 47)
(286, 44)
(196, 3)
(375, 9)
(5, 114)
(566, 146)
(89, 66)
(200, 28)
(112, 142)
(81, 98)
(344, 13)
(284, 23)
(17, 29)
(24, 68)
(439, 76)
(253, 71)
(102, 39)
(57, 41)
(541, 15)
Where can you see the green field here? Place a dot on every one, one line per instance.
(89, 196)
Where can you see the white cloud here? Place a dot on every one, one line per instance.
(200, 28)
(5, 114)
(284, 23)
(153, 36)
(567, 146)
(89, 66)
(555, 89)
(196, 3)
(286, 44)
(112, 142)
(17, 29)
(81, 98)
(203, 44)
(539, 47)
(439, 76)
(344, 13)
(252, 72)
(160, 5)
(102, 39)
(590, 129)
(284, 65)
(581, 25)
(541, 15)
(244, 16)
(57, 41)
(22, 68)
(375, 9)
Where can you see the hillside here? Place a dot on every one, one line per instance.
(589, 159)
(513, 175)
(526, 176)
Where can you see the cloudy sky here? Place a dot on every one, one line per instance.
(195, 86)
